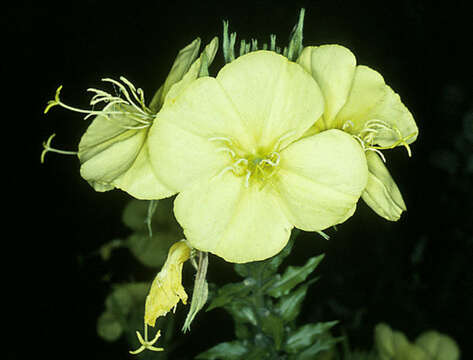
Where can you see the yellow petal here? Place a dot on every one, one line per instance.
(381, 193)
(180, 140)
(367, 90)
(107, 149)
(321, 178)
(438, 346)
(166, 289)
(113, 156)
(333, 67)
(371, 99)
(231, 220)
(274, 97)
(139, 180)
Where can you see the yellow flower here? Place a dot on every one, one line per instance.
(232, 147)
(358, 101)
(166, 289)
(430, 345)
(114, 150)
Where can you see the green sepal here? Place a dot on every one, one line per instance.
(181, 65)
(233, 350)
(293, 276)
(302, 339)
(289, 306)
(152, 204)
(201, 290)
(295, 47)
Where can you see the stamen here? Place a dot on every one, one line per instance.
(228, 168)
(221, 138)
(269, 162)
(247, 178)
(225, 149)
(141, 117)
(377, 152)
(47, 148)
(239, 161)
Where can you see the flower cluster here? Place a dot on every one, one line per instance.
(271, 143)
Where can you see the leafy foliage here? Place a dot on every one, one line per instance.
(265, 306)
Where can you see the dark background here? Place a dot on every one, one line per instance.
(415, 274)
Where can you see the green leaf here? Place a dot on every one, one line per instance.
(151, 251)
(324, 344)
(259, 353)
(273, 326)
(289, 306)
(123, 299)
(228, 292)
(233, 350)
(135, 214)
(109, 327)
(293, 276)
(242, 312)
(242, 331)
(305, 336)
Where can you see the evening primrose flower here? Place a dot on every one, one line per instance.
(165, 293)
(232, 147)
(114, 150)
(430, 345)
(358, 101)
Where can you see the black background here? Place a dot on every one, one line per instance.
(55, 221)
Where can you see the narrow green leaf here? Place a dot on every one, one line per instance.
(306, 336)
(233, 350)
(323, 344)
(293, 276)
(228, 292)
(242, 312)
(273, 326)
(289, 306)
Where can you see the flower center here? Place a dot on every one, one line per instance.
(254, 167)
(371, 128)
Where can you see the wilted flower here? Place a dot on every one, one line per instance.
(232, 147)
(358, 101)
(165, 293)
